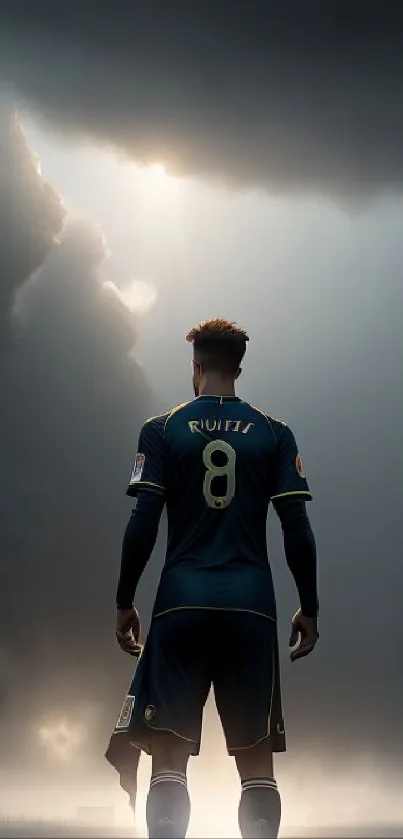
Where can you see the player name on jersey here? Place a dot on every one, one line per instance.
(220, 425)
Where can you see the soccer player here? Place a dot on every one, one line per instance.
(216, 462)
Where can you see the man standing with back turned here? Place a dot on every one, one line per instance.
(216, 462)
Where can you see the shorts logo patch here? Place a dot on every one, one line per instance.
(299, 467)
(125, 714)
(149, 713)
(138, 468)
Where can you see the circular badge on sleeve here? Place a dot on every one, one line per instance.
(299, 467)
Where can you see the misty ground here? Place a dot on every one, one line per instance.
(63, 830)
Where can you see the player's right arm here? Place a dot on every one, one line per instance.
(147, 485)
(289, 493)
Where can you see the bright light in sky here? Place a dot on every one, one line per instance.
(158, 170)
(140, 207)
(139, 296)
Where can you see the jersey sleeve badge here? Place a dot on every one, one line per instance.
(299, 467)
(138, 468)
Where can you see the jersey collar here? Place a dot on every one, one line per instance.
(216, 397)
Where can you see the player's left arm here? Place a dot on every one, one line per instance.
(147, 484)
(300, 551)
(290, 491)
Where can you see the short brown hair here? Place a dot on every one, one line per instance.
(219, 345)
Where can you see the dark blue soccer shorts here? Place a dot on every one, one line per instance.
(188, 651)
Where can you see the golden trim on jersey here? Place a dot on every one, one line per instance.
(157, 416)
(146, 484)
(213, 609)
(294, 492)
(174, 411)
(267, 416)
(269, 420)
(144, 745)
(275, 419)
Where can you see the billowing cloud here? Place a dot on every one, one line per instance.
(31, 213)
(281, 96)
(73, 399)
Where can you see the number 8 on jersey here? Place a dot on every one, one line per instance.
(219, 502)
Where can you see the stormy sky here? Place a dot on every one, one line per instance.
(291, 96)
(277, 125)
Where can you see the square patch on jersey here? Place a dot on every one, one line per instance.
(125, 714)
(138, 468)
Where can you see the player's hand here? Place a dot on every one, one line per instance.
(128, 631)
(304, 635)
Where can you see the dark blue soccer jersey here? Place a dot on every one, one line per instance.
(218, 461)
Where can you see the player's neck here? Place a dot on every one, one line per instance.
(213, 385)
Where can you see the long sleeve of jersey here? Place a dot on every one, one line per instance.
(300, 551)
(138, 543)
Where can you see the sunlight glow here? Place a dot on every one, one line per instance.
(160, 225)
(139, 296)
(158, 170)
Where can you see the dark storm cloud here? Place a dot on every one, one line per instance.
(73, 399)
(31, 214)
(284, 96)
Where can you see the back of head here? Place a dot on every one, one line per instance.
(219, 346)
